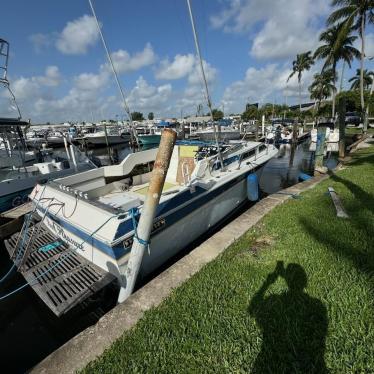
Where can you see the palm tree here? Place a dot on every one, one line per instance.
(322, 86)
(338, 46)
(303, 61)
(368, 79)
(356, 14)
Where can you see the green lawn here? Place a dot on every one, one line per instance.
(355, 130)
(244, 313)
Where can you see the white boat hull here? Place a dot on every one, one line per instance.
(168, 242)
(224, 135)
(101, 141)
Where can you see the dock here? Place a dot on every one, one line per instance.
(11, 221)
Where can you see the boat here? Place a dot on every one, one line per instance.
(36, 139)
(278, 134)
(225, 134)
(100, 139)
(331, 138)
(148, 139)
(102, 206)
(19, 172)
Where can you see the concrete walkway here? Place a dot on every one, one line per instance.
(89, 344)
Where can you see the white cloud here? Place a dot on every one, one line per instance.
(185, 66)
(277, 29)
(29, 88)
(146, 97)
(92, 82)
(181, 66)
(195, 76)
(188, 67)
(266, 84)
(369, 44)
(78, 36)
(124, 62)
(51, 78)
(40, 41)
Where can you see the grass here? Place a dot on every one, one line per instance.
(358, 131)
(247, 312)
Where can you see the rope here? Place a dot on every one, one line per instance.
(133, 213)
(294, 196)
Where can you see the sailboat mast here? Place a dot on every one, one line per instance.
(125, 105)
(205, 81)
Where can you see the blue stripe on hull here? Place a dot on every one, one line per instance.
(118, 251)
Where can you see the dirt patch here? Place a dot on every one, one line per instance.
(260, 244)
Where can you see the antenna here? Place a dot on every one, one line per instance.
(205, 81)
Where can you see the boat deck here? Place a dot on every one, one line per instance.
(57, 273)
(133, 197)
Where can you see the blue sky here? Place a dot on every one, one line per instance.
(58, 70)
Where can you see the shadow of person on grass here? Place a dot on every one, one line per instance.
(294, 325)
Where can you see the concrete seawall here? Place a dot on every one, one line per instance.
(90, 343)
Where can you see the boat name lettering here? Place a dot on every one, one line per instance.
(62, 234)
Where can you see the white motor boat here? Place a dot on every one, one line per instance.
(331, 140)
(54, 139)
(99, 139)
(102, 206)
(19, 172)
(225, 134)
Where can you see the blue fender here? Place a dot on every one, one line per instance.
(252, 187)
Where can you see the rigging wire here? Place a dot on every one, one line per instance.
(205, 81)
(120, 88)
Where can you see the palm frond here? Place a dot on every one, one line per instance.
(341, 14)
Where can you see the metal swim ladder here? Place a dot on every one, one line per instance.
(56, 272)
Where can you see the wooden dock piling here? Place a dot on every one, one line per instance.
(320, 149)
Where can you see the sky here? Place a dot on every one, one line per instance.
(58, 69)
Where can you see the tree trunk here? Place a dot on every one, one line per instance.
(362, 63)
(366, 120)
(333, 90)
(342, 77)
(300, 96)
(341, 121)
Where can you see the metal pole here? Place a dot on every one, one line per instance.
(205, 81)
(256, 130)
(144, 228)
(107, 144)
(73, 156)
(125, 105)
(66, 148)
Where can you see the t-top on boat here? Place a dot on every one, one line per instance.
(95, 213)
